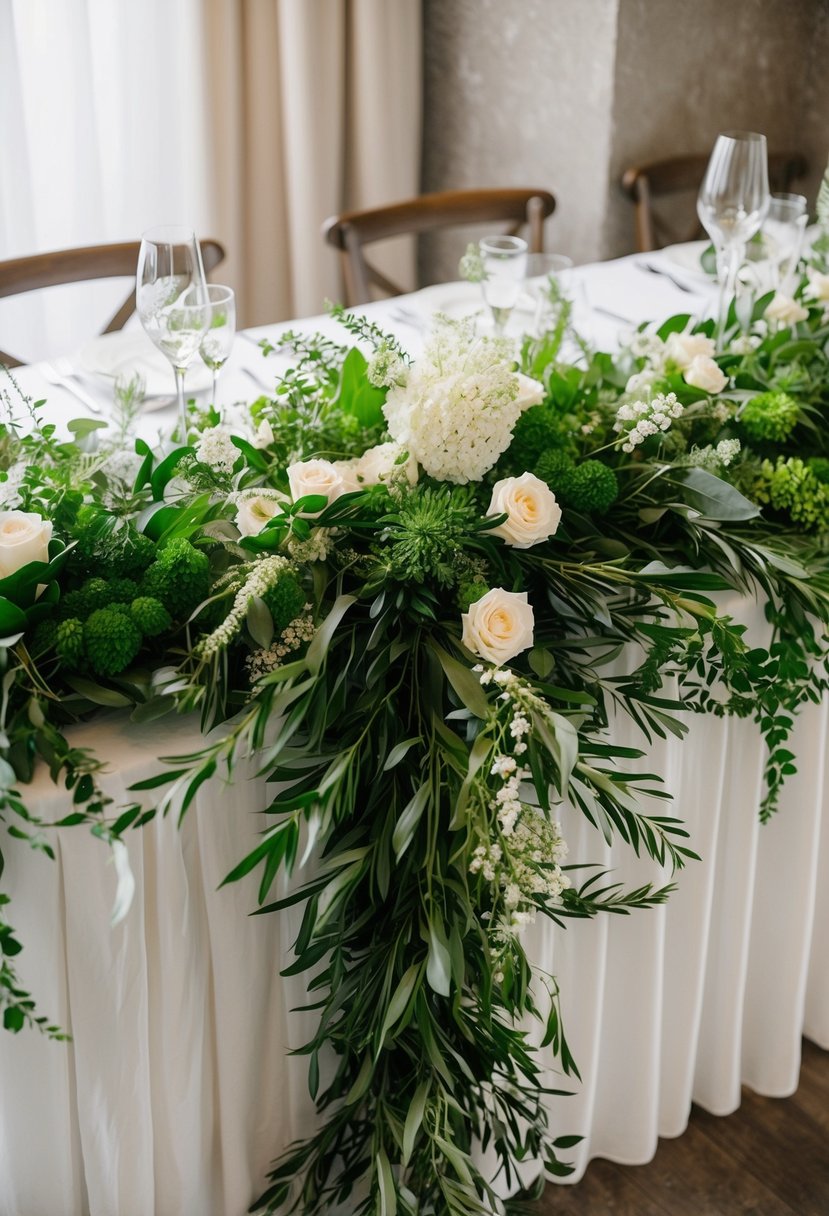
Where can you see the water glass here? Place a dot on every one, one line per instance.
(732, 204)
(504, 261)
(545, 288)
(217, 342)
(783, 230)
(171, 299)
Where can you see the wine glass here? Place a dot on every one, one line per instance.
(785, 226)
(732, 204)
(217, 342)
(545, 288)
(172, 300)
(504, 260)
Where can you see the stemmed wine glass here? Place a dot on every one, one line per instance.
(504, 264)
(732, 204)
(171, 296)
(217, 342)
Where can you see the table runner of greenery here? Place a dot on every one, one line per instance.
(404, 588)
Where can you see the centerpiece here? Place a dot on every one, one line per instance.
(417, 594)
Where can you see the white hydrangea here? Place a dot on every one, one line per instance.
(216, 448)
(638, 420)
(456, 412)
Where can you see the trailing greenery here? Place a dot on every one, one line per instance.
(425, 665)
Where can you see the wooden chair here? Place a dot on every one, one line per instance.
(81, 266)
(353, 230)
(683, 174)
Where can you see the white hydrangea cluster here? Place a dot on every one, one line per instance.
(265, 574)
(649, 346)
(216, 449)
(265, 660)
(638, 420)
(744, 344)
(10, 485)
(460, 402)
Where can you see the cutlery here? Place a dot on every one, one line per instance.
(666, 274)
(258, 380)
(60, 371)
(407, 317)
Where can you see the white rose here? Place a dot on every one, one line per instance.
(320, 477)
(704, 373)
(530, 392)
(264, 435)
(530, 505)
(254, 512)
(818, 288)
(499, 625)
(24, 538)
(784, 310)
(380, 464)
(682, 349)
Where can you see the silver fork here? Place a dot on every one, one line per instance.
(666, 274)
(60, 371)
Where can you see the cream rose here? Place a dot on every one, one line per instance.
(530, 392)
(24, 538)
(784, 310)
(530, 505)
(254, 512)
(682, 349)
(499, 625)
(380, 464)
(706, 374)
(320, 477)
(818, 288)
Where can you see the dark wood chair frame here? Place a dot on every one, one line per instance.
(643, 183)
(352, 230)
(20, 275)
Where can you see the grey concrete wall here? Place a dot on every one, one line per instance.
(565, 93)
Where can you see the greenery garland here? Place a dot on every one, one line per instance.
(404, 589)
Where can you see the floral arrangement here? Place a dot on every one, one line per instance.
(401, 587)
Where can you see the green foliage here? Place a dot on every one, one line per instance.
(69, 642)
(150, 616)
(789, 486)
(111, 640)
(425, 538)
(284, 600)
(179, 578)
(469, 592)
(769, 417)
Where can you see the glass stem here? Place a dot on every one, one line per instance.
(215, 372)
(729, 261)
(182, 408)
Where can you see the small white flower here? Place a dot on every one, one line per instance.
(784, 310)
(533, 515)
(705, 373)
(499, 625)
(264, 435)
(639, 382)
(216, 448)
(818, 285)
(744, 344)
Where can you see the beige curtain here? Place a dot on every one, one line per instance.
(315, 108)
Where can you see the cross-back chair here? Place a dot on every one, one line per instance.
(644, 184)
(353, 230)
(20, 275)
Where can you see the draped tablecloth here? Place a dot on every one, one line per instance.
(178, 1087)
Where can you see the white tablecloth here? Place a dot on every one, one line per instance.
(177, 1088)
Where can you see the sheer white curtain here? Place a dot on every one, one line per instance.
(104, 134)
(251, 120)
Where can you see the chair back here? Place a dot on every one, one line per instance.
(353, 230)
(644, 184)
(40, 270)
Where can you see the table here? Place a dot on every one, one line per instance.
(178, 1090)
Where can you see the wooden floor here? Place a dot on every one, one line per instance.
(770, 1158)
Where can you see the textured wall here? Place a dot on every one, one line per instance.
(565, 93)
(518, 93)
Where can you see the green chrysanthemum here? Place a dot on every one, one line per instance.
(179, 578)
(425, 538)
(111, 640)
(69, 642)
(150, 615)
(285, 601)
(468, 593)
(769, 417)
(536, 431)
(791, 487)
(592, 488)
(556, 468)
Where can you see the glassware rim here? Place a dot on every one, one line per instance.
(502, 244)
(564, 262)
(786, 197)
(217, 293)
(168, 234)
(747, 136)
